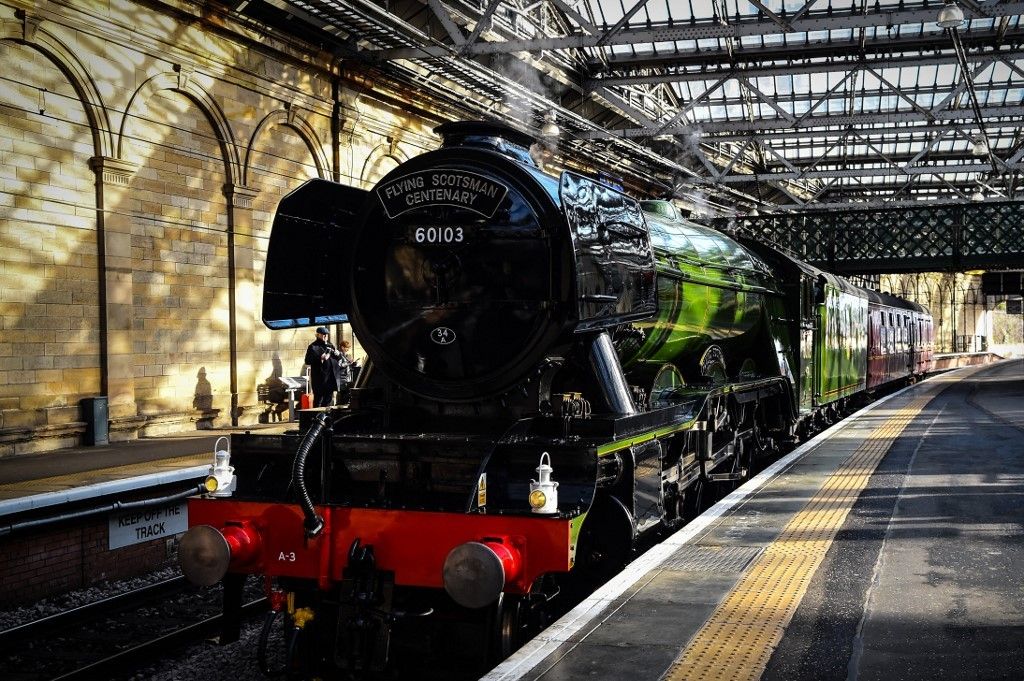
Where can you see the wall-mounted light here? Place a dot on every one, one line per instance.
(950, 16)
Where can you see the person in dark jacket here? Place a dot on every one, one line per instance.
(329, 368)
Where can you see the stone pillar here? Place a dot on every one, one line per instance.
(113, 234)
(244, 301)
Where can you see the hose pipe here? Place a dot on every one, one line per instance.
(262, 644)
(314, 523)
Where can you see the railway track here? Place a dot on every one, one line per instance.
(110, 638)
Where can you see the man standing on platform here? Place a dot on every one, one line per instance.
(328, 367)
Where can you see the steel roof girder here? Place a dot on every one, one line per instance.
(870, 158)
(782, 23)
(899, 93)
(817, 135)
(980, 7)
(962, 85)
(855, 205)
(1017, 155)
(807, 125)
(445, 17)
(778, 156)
(580, 20)
(740, 98)
(855, 173)
(851, 50)
(615, 100)
(765, 99)
(882, 155)
(825, 188)
(824, 155)
(683, 111)
(936, 138)
(483, 22)
(802, 69)
(620, 24)
(838, 20)
(824, 98)
(1005, 59)
(736, 157)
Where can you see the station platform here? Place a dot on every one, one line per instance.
(77, 474)
(72, 518)
(890, 546)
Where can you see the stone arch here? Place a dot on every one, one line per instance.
(380, 153)
(287, 117)
(930, 287)
(907, 287)
(180, 81)
(32, 33)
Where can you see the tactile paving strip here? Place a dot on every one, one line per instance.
(712, 558)
(737, 641)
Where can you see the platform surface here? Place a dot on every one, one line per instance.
(890, 547)
(37, 480)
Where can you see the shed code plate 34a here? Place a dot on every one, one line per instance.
(135, 527)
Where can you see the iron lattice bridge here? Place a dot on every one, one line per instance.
(926, 239)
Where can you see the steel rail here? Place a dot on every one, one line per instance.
(155, 648)
(85, 612)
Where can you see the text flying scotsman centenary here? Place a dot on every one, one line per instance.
(441, 188)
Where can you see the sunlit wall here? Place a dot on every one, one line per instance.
(142, 157)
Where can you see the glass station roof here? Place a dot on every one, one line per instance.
(787, 105)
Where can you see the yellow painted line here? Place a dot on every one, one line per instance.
(737, 641)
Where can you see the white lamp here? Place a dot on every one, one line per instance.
(950, 16)
(550, 129)
(979, 148)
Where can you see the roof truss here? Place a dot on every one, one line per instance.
(830, 103)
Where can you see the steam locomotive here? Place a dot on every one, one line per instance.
(555, 370)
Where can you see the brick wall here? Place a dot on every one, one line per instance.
(45, 562)
(142, 152)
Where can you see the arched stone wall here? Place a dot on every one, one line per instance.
(288, 118)
(50, 340)
(179, 234)
(382, 159)
(32, 31)
(278, 353)
(183, 82)
(154, 228)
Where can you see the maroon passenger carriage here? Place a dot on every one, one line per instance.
(901, 340)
